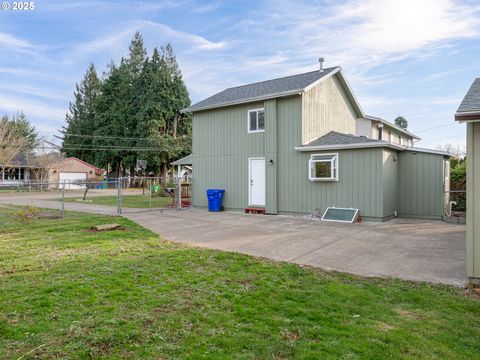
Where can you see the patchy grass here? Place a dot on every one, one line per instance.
(128, 201)
(71, 293)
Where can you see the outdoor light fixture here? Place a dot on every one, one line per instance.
(270, 162)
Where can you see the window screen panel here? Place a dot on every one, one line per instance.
(261, 120)
(253, 120)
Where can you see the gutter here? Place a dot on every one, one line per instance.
(370, 145)
(350, 146)
(467, 116)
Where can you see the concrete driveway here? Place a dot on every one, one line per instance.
(430, 251)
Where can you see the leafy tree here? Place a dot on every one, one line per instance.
(401, 122)
(81, 118)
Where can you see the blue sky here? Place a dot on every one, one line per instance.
(414, 58)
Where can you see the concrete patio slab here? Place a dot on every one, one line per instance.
(416, 250)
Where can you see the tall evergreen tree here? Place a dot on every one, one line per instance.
(81, 118)
(136, 106)
(160, 95)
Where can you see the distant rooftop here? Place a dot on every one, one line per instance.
(283, 86)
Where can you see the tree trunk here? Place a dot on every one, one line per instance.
(163, 173)
(175, 124)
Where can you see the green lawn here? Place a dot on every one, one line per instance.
(129, 201)
(70, 293)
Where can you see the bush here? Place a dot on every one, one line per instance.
(27, 214)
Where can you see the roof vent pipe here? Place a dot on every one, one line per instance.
(321, 60)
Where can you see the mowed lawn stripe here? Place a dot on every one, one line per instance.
(128, 201)
(129, 294)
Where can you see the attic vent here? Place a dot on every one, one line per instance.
(321, 61)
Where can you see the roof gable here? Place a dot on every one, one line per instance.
(470, 104)
(284, 86)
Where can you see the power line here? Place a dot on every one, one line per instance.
(101, 149)
(435, 127)
(103, 137)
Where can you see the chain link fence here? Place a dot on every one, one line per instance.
(456, 206)
(111, 197)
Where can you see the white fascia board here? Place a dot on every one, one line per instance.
(427, 151)
(323, 78)
(245, 101)
(374, 118)
(468, 121)
(350, 146)
(473, 112)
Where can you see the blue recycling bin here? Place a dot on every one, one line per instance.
(215, 198)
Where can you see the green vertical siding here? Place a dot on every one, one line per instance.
(271, 155)
(221, 148)
(473, 200)
(390, 183)
(420, 185)
(359, 185)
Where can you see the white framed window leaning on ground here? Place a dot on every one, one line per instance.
(256, 120)
(323, 167)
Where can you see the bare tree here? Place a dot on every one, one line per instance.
(457, 150)
(11, 142)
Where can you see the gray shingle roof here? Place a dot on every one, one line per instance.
(261, 90)
(471, 101)
(187, 160)
(336, 138)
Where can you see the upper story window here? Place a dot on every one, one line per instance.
(323, 167)
(380, 132)
(256, 120)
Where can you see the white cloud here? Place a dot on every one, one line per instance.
(15, 42)
(37, 109)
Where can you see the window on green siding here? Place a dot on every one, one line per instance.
(323, 167)
(256, 120)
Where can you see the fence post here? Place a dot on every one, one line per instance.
(179, 185)
(150, 188)
(119, 196)
(63, 201)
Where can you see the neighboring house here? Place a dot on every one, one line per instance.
(53, 170)
(18, 171)
(302, 142)
(72, 170)
(469, 113)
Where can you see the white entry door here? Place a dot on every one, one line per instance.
(256, 181)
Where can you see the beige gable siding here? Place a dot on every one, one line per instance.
(326, 108)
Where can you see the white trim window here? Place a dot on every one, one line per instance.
(256, 120)
(323, 167)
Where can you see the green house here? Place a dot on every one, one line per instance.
(299, 143)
